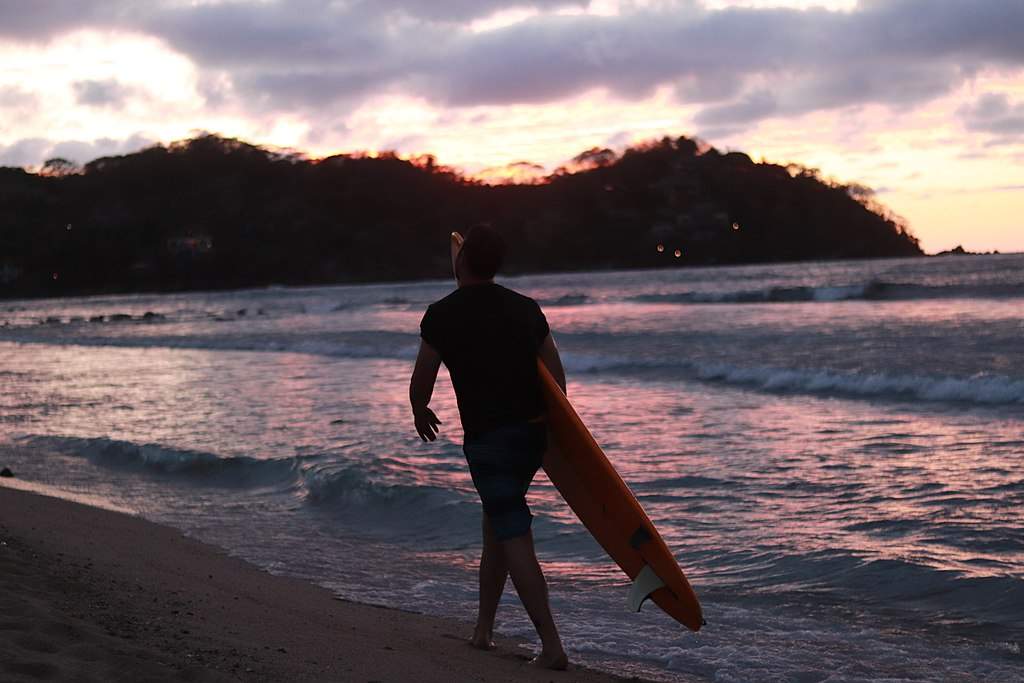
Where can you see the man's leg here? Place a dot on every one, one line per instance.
(493, 575)
(533, 591)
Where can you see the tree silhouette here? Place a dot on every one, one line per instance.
(58, 167)
(213, 212)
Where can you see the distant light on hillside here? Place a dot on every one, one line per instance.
(678, 253)
(661, 248)
(735, 226)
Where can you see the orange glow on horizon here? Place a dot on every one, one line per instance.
(516, 173)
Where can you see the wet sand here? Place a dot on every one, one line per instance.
(94, 595)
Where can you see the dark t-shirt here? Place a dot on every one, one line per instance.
(488, 336)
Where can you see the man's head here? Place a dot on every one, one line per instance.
(482, 252)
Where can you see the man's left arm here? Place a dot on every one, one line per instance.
(421, 388)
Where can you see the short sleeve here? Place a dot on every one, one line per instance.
(540, 325)
(430, 328)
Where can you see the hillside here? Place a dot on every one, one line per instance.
(212, 212)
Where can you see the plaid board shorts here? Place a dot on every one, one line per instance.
(502, 463)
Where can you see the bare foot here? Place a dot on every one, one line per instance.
(557, 661)
(482, 641)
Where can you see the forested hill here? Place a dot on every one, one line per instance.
(212, 212)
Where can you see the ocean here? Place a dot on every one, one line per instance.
(833, 450)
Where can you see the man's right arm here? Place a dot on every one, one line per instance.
(549, 354)
(421, 388)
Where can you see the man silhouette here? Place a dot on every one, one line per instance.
(489, 338)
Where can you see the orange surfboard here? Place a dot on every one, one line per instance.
(588, 482)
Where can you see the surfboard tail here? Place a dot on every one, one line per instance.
(596, 492)
(645, 583)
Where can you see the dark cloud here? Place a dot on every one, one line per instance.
(756, 105)
(33, 151)
(103, 93)
(297, 55)
(250, 36)
(266, 90)
(812, 59)
(24, 152)
(994, 113)
(463, 10)
(713, 135)
(896, 84)
(710, 85)
(42, 19)
(742, 64)
(989, 31)
(549, 58)
(523, 64)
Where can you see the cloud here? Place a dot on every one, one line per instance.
(742, 64)
(973, 154)
(715, 135)
(15, 97)
(619, 140)
(107, 92)
(995, 114)
(25, 152)
(463, 10)
(43, 19)
(709, 85)
(33, 151)
(753, 106)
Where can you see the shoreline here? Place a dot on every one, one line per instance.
(91, 593)
(233, 288)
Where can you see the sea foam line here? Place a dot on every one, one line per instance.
(990, 389)
(874, 290)
(980, 389)
(983, 389)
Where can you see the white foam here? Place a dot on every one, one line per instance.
(983, 389)
(987, 389)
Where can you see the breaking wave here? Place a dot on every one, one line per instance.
(201, 466)
(979, 389)
(874, 290)
(984, 389)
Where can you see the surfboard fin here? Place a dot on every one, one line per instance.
(645, 583)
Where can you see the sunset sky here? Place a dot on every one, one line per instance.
(923, 100)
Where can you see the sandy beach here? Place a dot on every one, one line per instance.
(95, 595)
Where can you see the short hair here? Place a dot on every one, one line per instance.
(484, 250)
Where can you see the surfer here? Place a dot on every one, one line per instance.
(489, 337)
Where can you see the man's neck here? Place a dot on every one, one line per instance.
(470, 281)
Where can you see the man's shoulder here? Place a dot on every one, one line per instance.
(457, 300)
(444, 303)
(517, 297)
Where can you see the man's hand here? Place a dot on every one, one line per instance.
(421, 386)
(426, 423)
